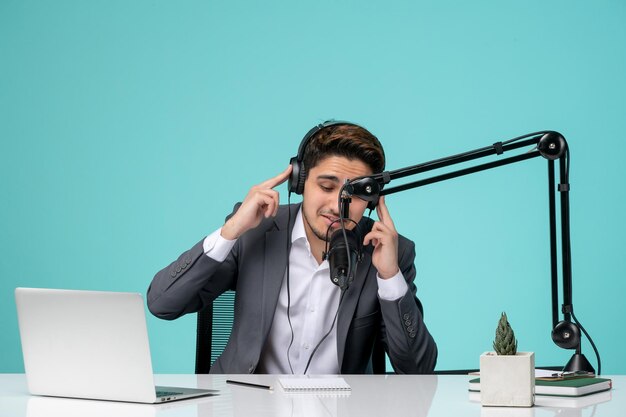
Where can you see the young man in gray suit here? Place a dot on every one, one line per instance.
(289, 317)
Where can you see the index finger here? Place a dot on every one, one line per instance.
(383, 213)
(278, 179)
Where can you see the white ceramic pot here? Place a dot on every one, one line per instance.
(507, 380)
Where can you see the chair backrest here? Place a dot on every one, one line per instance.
(215, 322)
(213, 327)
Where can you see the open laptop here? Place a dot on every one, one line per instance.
(89, 344)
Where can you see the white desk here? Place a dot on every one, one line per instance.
(371, 395)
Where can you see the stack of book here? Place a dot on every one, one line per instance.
(578, 391)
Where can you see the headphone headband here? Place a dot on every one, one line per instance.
(313, 132)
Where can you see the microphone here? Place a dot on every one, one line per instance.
(341, 258)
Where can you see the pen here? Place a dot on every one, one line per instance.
(572, 374)
(248, 384)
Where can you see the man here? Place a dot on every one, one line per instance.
(289, 316)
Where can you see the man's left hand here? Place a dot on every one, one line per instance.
(384, 238)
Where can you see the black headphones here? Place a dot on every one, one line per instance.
(298, 170)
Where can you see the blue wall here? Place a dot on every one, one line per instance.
(129, 129)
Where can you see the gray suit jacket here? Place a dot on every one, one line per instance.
(255, 269)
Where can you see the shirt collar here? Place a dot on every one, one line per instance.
(298, 232)
(299, 239)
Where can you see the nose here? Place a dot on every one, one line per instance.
(332, 202)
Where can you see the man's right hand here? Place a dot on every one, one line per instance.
(261, 202)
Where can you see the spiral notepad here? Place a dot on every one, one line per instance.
(314, 384)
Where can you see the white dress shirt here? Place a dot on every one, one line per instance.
(313, 303)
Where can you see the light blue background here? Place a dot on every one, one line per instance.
(129, 128)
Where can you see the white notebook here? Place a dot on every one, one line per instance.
(314, 384)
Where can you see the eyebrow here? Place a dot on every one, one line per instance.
(328, 177)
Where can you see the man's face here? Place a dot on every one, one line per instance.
(321, 195)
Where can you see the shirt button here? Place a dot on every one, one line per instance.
(306, 346)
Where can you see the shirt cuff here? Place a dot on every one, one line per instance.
(393, 288)
(216, 247)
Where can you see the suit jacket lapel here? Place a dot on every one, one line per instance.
(276, 258)
(353, 293)
(348, 305)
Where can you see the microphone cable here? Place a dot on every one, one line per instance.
(527, 135)
(343, 292)
(593, 345)
(288, 290)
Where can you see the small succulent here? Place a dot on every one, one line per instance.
(505, 342)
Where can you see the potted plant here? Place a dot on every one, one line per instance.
(507, 377)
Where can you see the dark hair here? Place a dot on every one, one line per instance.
(346, 140)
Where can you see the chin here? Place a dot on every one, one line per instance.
(320, 232)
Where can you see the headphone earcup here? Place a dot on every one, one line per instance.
(566, 335)
(301, 179)
(297, 177)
